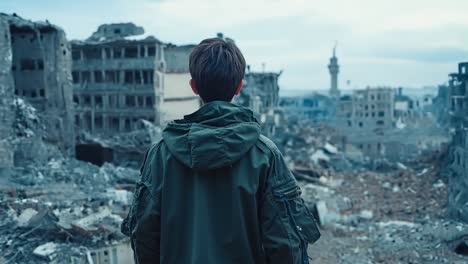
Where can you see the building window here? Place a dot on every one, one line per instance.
(381, 114)
(41, 92)
(110, 77)
(85, 76)
(75, 99)
(151, 51)
(380, 122)
(107, 52)
(87, 100)
(140, 100)
(360, 124)
(138, 77)
(117, 53)
(131, 52)
(128, 79)
(76, 55)
(98, 76)
(149, 101)
(27, 65)
(40, 64)
(115, 123)
(127, 125)
(130, 100)
(76, 77)
(92, 53)
(98, 101)
(98, 122)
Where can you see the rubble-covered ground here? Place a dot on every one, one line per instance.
(55, 209)
(63, 209)
(394, 217)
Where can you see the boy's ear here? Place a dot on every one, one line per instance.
(239, 87)
(192, 85)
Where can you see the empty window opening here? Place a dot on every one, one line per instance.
(98, 122)
(131, 52)
(381, 114)
(128, 79)
(87, 100)
(98, 76)
(140, 100)
(92, 53)
(41, 92)
(112, 101)
(76, 77)
(110, 76)
(127, 125)
(75, 99)
(98, 101)
(138, 77)
(76, 55)
(130, 100)
(93, 153)
(40, 64)
(151, 51)
(85, 76)
(380, 122)
(27, 65)
(117, 53)
(107, 52)
(114, 124)
(149, 101)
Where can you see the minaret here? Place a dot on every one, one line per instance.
(334, 68)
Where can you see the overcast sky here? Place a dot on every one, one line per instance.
(410, 43)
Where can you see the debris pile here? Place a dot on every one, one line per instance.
(394, 217)
(62, 210)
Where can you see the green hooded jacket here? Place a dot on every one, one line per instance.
(214, 190)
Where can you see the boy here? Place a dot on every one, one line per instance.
(214, 190)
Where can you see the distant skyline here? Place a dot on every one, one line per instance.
(380, 43)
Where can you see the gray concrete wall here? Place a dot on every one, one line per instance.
(6, 95)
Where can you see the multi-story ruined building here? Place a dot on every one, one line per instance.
(458, 105)
(36, 65)
(364, 117)
(118, 79)
(260, 91)
(369, 109)
(315, 107)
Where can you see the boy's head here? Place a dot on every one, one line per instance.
(217, 68)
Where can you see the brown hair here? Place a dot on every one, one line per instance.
(217, 67)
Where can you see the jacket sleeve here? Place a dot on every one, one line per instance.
(287, 226)
(142, 224)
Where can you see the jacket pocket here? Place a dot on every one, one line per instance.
(299, 217)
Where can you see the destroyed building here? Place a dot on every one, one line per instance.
(260, 92)
(36, 66)
(117, 79)
(315, 107)
(458, 179)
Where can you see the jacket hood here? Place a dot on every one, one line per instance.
(215, 136)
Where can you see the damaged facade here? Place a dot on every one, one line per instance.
(458, 178)
(117, 79)
(36, 66)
